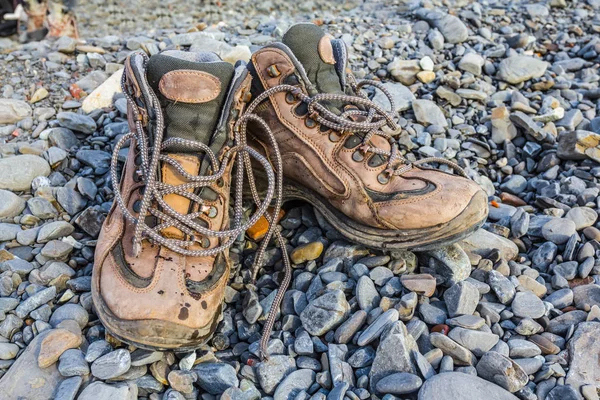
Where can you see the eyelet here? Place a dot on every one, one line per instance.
(290, 98)
(273, 71)
(212, 212)
(301, 109)
(358, 156)
(137, 206)
(205, 243)
(142, 190)
(137, 176)
(138, 159)
(352, 142)
(310, 123)
(220, 182)
(334, 137)
(383, 178)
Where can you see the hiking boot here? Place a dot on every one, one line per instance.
(162, 260)
(340, 151)
(48, 18)
(61, 19)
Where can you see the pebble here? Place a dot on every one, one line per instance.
(502, 371)
(20, 179)
(215, 378)
(454, 385)
(399, 383)
(528, 305)
(325, 312)
(517, 69)
(112, 364)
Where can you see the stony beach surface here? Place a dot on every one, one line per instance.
(507, 89)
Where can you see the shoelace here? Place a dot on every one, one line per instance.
(155, 191)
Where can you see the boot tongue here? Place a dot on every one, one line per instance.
(192, 89)
(312, 47)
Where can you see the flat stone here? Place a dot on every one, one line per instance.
(561, 324)
(471, 62)
(55, 343)
(272, 371)
(294, 383)
(401, 95)
(453, 29)
(519, 348)
(97, 349)
(68, 389)
(102, 96)
(428, 113)
(215, 378)
(182, 381)
(12, 111)
(460, 354)
(582, 217)
(34, 301)
(325, 313)
(17, 172)
(459, 386)
(423, 284)
(502, 371)
(54, 230)
(517, 69)
(399, 383)
(528, 305)
(366, 294)
(461, 299)
(482, 243)
(72, 363)
(374, 330)
(70, 311)
(404, 71)
(559, 230)
(112, 364)
(306, 252)
(76, 122)
(564, 392)
(479, 342)
(8, 351)
(345, 332)
(102, 391)
(11, 205)
(577, 145)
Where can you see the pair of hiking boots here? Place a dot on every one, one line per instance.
(297, 126)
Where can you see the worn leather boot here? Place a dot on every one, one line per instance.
(162, 260)
(340, 153)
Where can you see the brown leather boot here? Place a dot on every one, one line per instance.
(339, 152)
(162, 260)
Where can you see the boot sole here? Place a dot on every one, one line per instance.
(463, 225)
(133, 336)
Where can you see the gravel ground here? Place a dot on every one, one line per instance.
(509, 90)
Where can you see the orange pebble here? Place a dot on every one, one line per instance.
(258, 231)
